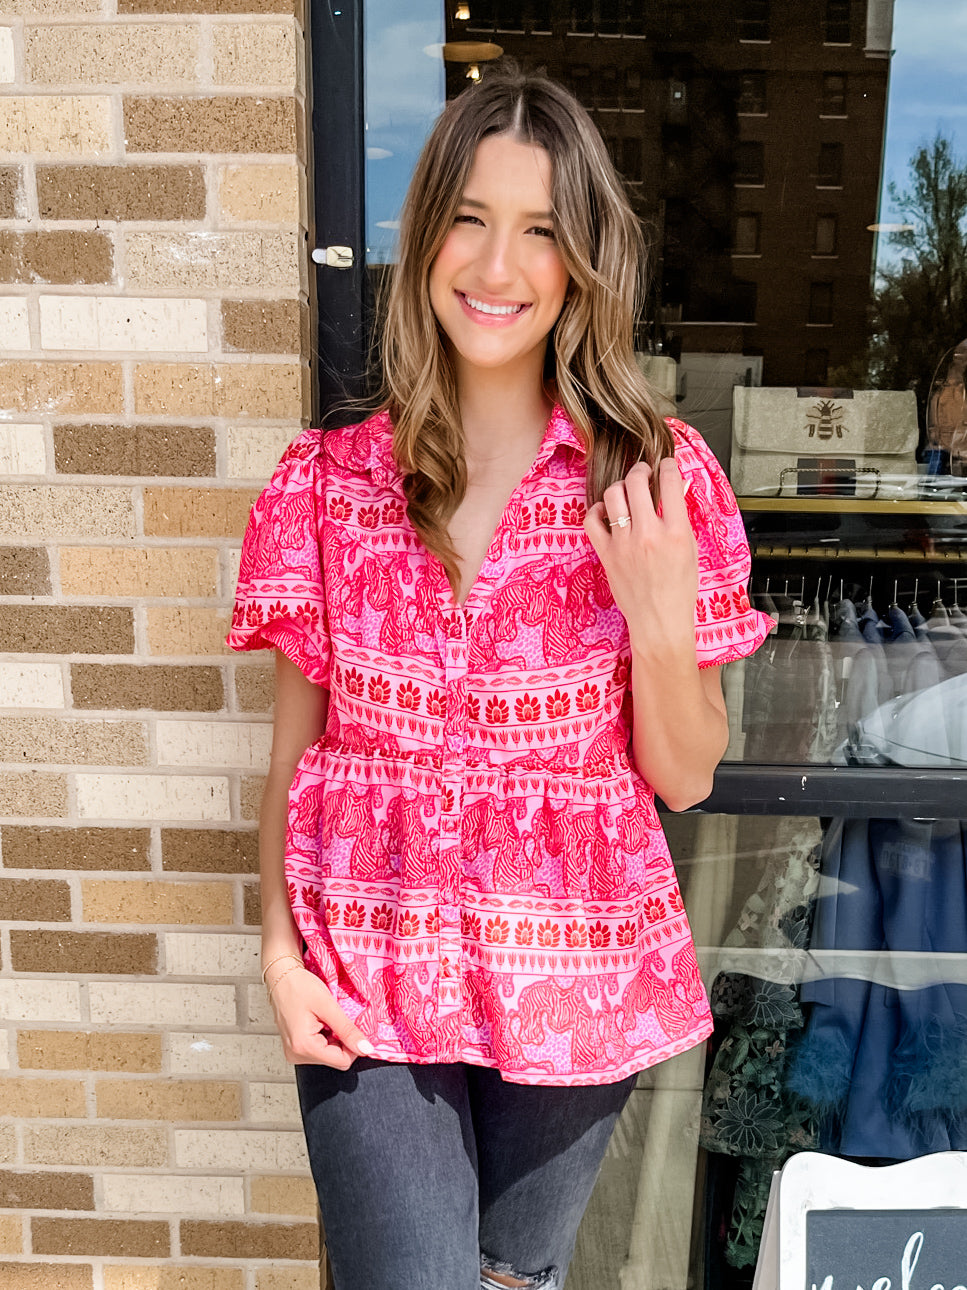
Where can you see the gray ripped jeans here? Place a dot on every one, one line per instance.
(445, 1177)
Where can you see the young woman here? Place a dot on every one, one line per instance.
(499, 605)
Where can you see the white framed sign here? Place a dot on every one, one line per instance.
(834, 1225)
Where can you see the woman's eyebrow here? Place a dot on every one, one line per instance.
(482, 206)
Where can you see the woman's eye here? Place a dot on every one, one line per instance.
(544, 232)
(466, 219)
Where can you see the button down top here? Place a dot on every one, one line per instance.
(477, 870)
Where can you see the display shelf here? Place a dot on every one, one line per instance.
(766, 550)
(855, 792)
(854, 505)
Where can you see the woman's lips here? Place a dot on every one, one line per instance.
(514, 310)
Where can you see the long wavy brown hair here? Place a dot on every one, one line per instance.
(590, 366)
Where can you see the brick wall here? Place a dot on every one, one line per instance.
(153, 332)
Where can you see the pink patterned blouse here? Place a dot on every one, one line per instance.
(477, 869)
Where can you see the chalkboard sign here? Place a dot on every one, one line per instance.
(862, 1247)
(833, 1225)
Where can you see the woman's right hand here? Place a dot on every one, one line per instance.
(314, 1029)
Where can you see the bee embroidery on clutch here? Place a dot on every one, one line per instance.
(825, 420)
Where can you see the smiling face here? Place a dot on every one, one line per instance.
(498, 282)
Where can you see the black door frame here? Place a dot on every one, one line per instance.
(336, 149)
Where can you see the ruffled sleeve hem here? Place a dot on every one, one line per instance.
(281, 601)
(727, 627)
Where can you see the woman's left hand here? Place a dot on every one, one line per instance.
(650, 557)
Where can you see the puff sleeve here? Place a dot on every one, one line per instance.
(726, 625)
(280, 600)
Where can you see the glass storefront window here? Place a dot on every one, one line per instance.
(801, 169)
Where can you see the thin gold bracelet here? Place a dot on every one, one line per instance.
(278, 959)
(286, 973)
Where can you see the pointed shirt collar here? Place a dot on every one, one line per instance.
(381, 464)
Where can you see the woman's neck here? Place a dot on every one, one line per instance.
(500, 416)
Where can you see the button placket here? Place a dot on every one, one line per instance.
(453, 777)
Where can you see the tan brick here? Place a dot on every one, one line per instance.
(11, 193)
(289, 1279)
(134, 450)
(115, 324)
(226, 123)
(253, 54)
(128, 192)
(84, 1050)
(157, 688)
(66, 256)
(8, 1144)
(29, 847)
(83, 953)
(84, 743)
(165, 1003)
(45, 1098)
(197, 512)
(8, 57)
(267, 193)
(120, 1238)
(33, 794)
(67, 510)
(253, 451)
(31, 685)
(22, 447)
(96, 1145)
(264, 1151)
(172, 1193)
(51, 8)
(255, 688)
(273, 1103)
(11, 1234)
(212, 954)
(111, 54)
(201, 903)
(46, 1276)
(148, 571)
(283, 1194)
(208, 850)
(184, 632)
(241, 745)
(66, 629)
(249, 1240)
(14, 318)
(249, 1056)
(252, 904)
(169, 1099)
(263, 390)
(250, 795)
(168, 798)
(265, 326)
(62, 388)
(23, 1190)
(173, 1278)
(24, 571)
(212, 261)
(207, 6)
(34, 900)
(36, 1001)
(62, 125)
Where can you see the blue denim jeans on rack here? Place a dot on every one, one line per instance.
(437, 1177)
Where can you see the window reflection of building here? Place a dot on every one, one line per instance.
(750, 133)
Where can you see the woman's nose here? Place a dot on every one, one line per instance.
(498, 260)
